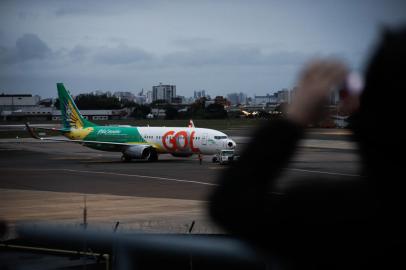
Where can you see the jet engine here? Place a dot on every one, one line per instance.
(230, 144)
(139, 151)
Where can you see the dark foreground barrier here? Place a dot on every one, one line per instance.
(146, 251)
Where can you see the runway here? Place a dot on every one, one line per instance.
(68, 167)
(35, 169)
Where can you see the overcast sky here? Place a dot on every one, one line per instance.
(256, 47)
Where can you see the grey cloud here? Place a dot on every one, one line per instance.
(97, 7)
(79, 53)
(193, 42)
(122, 55)
(5, 54)
(216, 57)
(234, 56)
(287, 58)
(227, 56)
(28, 16)
(28, 47)
(31, 47)
(73, 10)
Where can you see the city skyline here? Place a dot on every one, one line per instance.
(133, 95)
(255, 47)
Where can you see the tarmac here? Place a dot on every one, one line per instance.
(50, 182)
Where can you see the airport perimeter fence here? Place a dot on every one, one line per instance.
(123, 251)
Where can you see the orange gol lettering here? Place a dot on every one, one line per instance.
(184, 135)
(172, 140)
(172, 144)
(192, 138)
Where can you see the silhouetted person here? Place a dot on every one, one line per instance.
(320, 223)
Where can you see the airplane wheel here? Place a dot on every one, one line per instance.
(214, 160)
(125, 158)
(153, 155)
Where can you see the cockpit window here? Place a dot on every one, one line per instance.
(220, 137)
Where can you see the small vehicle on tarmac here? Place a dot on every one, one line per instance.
(225, 157)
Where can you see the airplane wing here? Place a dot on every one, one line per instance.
(83, 142)
(30, 129)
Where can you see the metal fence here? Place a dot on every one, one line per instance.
(122, 251)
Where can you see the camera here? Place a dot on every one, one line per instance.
(353, 85)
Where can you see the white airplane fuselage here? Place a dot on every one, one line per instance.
(188, 140)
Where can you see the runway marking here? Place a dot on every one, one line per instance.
(217, 168)
(323, 172)
(72, 158)
(9, 149)
(129, 175)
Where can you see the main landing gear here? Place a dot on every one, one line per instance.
(152, 156)
(125, 158)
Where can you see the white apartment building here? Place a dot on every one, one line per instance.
(163, 92)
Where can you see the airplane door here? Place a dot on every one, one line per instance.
(204, 139)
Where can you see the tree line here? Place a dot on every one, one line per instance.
(196, 110)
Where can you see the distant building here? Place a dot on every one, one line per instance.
(208, 102)
(41, 113)
(189, 100)
(124, 96)
(101, 93)
(237, 98)
(16, 102)
(149, 97)
(158, 113)
(164, 92)
(140, 99)
(94, 114)
(199, 94)
(177, 100)
(222, 101)
(29, 113)
(48, 102)
(265, 99)
(283, 96)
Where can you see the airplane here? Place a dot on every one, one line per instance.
(135, 142)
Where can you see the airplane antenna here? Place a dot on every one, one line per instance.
(190, 255)
(84, 213)
(191, 226)
(116, 226)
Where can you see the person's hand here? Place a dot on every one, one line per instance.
(317, 81)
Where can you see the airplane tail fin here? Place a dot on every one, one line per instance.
(71, 117)
(191, 124)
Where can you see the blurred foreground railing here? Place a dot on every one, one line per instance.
(146, 251)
